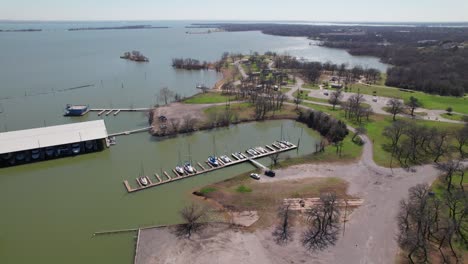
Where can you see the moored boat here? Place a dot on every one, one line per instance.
(76, 148)
(179, 170)
(143, 180)
(213, 161)
(189, 168)
(225, 159)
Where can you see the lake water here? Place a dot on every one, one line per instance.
(51, 209)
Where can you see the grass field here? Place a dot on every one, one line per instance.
(310, 86)
(428, 101)
(453, 117)
(375, 127)
(305, 96)
(208, 98)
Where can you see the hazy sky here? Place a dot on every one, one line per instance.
(310, 10)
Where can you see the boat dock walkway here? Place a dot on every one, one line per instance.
(258, 164)
(156, 180)
(124, 133)
(116, 111)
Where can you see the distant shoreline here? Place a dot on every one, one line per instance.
(20, 30)
(111, 28)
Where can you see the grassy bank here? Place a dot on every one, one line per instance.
(208, 98)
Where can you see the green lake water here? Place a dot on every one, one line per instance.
(50, 210)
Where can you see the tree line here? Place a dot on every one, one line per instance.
(429, 59)
(411, 143)
(189, 64)
(313, 70)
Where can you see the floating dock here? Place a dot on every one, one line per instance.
(116, 111)
(156, 180)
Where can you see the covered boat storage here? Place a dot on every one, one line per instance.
(37, 144)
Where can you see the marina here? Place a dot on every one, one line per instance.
(156, 180)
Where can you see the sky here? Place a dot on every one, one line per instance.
(272, 10)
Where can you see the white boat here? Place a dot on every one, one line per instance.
(287, 143)
(251, 152)
(256, 176)
(179, 170)
(225, 159)
(76, 148)
(112, 141)
(143, 180)
(260, 150)
(213, 161)
(189, 168)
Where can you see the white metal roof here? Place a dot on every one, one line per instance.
(51, 136)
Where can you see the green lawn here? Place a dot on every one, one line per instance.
(305, 96)
(310, 86)
(285, 90)
(375, 129)
(455, 117)
(207, 98)
(429, 101)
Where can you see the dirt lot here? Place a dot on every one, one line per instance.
(369, 236)
(178, 111)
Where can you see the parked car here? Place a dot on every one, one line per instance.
(256, 176)
(270, 173)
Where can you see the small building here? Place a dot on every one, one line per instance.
(45, 143)
(336, 85)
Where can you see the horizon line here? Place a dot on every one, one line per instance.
(225, 20)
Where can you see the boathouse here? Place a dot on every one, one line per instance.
(45, 143)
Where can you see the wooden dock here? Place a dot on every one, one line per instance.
(116, 111)
(159, 181)
(131, 131)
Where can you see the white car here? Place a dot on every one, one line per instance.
(256, 176)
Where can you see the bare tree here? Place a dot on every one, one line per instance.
(193, 216)
(323, 221)
(275, 158)
(439, 143)
(335, 98)
(283, 232)
(298, 99)
(175, 124)
(189, 123)
(449, 169)
(461, 136)
(395, 107)
(415, 223)
(165, 94)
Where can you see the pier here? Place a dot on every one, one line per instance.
(124, 133)
(116, 111)
(156, 180)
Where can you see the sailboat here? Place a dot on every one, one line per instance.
(213, 160)
(143, 179)
(188, 164)
(179, 169)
